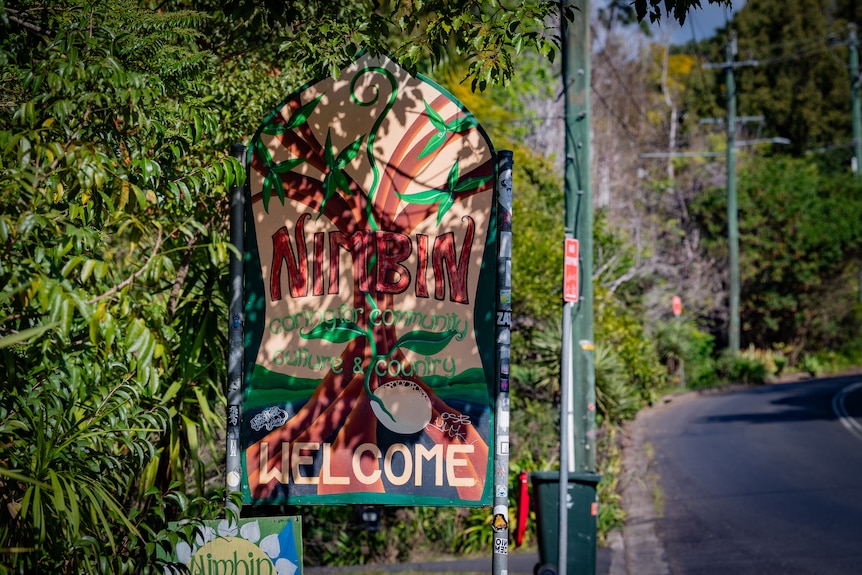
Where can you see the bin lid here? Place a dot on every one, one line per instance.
(574, 476)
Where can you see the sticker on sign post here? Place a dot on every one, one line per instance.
(571, 286)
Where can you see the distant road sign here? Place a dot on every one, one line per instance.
(571, 271)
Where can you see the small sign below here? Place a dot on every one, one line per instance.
(571, 271)
(256, 546)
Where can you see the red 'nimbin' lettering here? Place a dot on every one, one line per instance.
(385, 251)
(444, 253)
(317, 271)
(358, 244)
(392, 249)
(421, 282)
(297, 264)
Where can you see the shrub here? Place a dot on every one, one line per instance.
(774, 361)
(736, 368)
(811, 364)
(72, 456)
(611, 515)
(687, 350)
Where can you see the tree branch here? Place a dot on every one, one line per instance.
(132, 277)
(24, 24)
(183, 271)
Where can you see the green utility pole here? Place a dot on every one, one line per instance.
(579, 225)
(577, 380)
(854, 94)
(857, 116)
(732, 211)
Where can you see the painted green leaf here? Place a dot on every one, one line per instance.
(424, 342)
(335, 331)
(274, 129)
(277, 185)
(462, 123)
(266, 192)
(341, 182)
(470, 184)
(435, 117)
(328, 189)
(287, 165)
(263, 152)
(444, 207)
(433, 143)
(327, 151)
(301, 115)
(452, 178)
(271, 182)
(426, 197)
(347, 154)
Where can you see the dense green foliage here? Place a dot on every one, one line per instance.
(111, 305)
(798, 218)
(801, 237)
(795, 73)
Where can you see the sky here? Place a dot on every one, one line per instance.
(699, 24)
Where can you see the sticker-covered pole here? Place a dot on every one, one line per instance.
(233, 464)
(500, 524)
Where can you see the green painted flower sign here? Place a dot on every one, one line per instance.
(369, 296)
(258, 546)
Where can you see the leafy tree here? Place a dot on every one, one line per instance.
(803, 86)
(112, 331)
(679, 9)
(798, 77)
(319, 37)
(799, 236)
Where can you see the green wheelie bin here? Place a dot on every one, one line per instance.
(582, 509)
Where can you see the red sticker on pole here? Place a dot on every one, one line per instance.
(571, 287)
(677, 305)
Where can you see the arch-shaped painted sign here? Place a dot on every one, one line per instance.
(369, 296)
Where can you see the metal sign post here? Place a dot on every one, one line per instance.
(500, 523)
(233, 467)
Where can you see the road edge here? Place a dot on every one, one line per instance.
(642, 551)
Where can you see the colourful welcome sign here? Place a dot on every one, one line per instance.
(370, 292)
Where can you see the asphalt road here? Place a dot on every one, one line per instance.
(765, 480)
